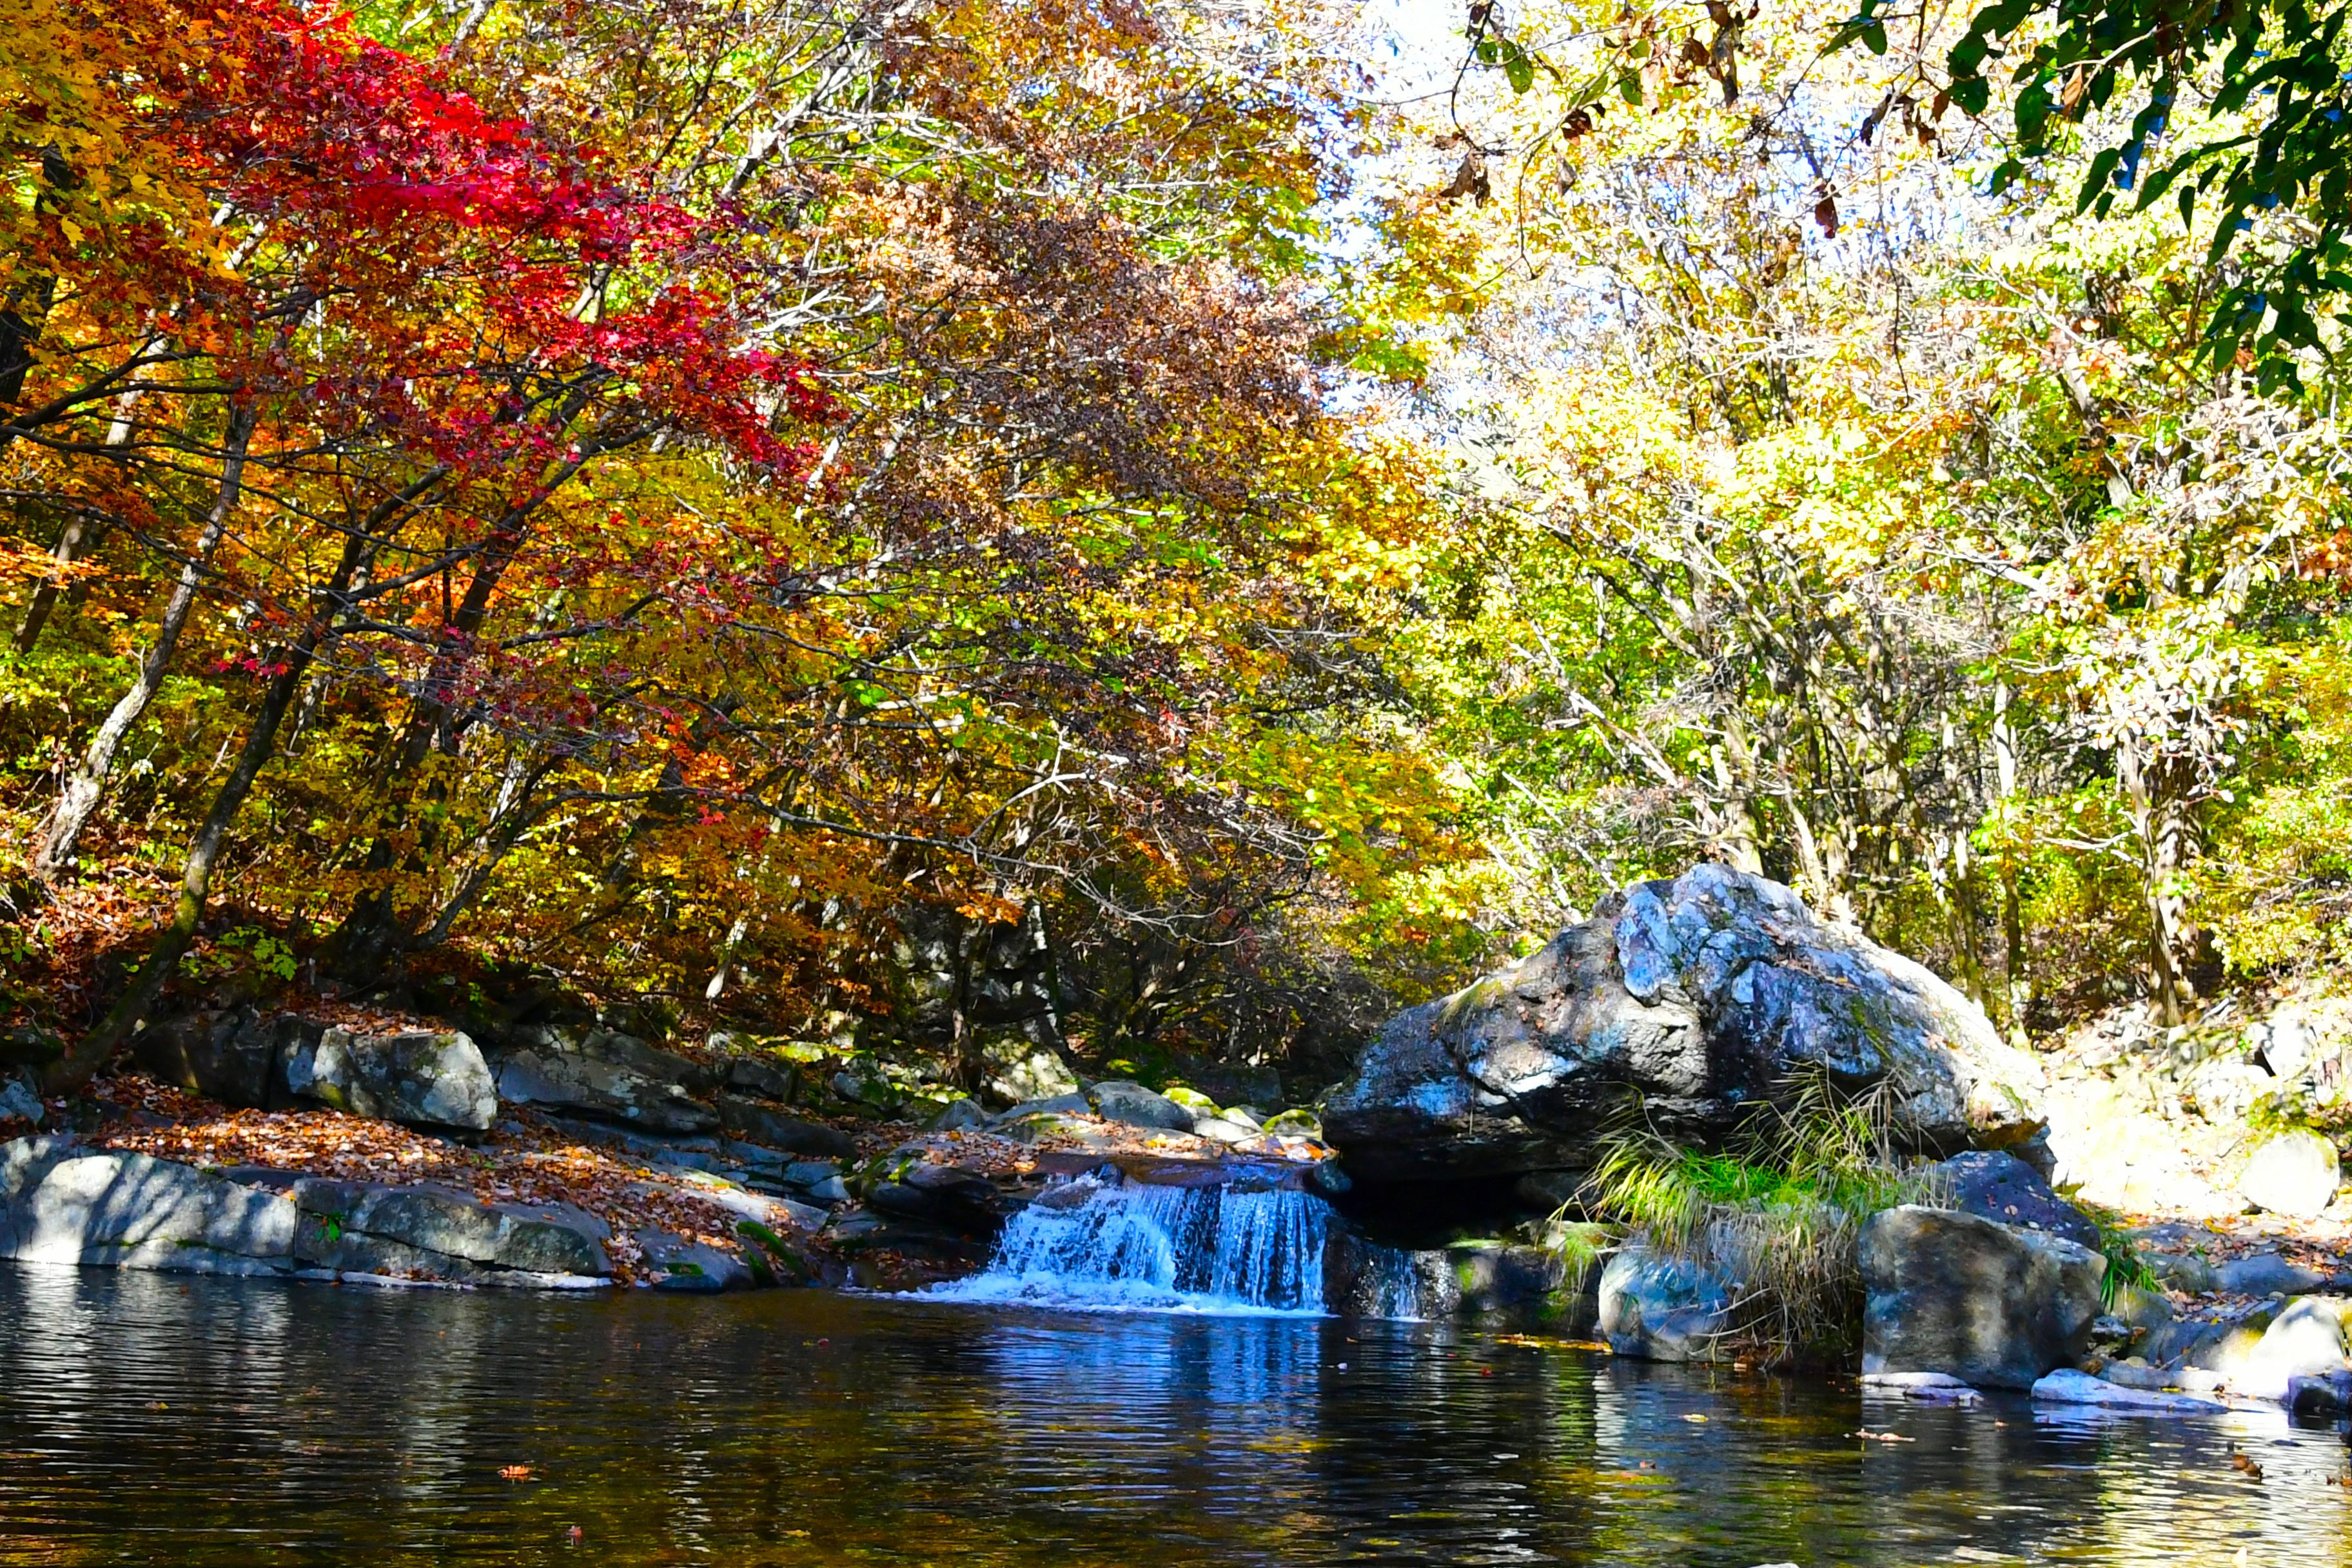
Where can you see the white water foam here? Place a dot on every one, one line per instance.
(1105, 1244)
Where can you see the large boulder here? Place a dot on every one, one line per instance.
(61, 1202)
(2305, 1339)
(607, 1076)
(692, 1266)
(1664, 1309)
(1136, 1106)
(1997, 1186)
(1534, 1287)
(2294, 1173)
(20, 1101)
(431, 1232)
(422, 1078)
(750, 1120)
(1988, 1303)
(1698, 997)
(1015, 1070)
(238, 1057)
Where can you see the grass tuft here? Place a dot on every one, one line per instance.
(1776, 1213)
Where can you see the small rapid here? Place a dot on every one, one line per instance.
(1107, 1242)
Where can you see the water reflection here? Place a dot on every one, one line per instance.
(147, 1419)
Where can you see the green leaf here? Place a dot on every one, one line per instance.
(1518, 71)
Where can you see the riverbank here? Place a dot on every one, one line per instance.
(2115, 1229)
(776, 1197)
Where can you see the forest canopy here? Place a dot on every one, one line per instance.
(737, 504)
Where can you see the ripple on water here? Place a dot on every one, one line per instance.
(147, 1419)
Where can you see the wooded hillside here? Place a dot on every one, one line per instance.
(1160, 529)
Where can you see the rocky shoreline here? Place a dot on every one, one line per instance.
(327, 1144)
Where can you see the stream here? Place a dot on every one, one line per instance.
(152, 1420)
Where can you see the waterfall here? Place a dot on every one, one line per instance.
(1105, 1241)
(1389, 1286)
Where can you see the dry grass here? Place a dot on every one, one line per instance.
(1776, 1215)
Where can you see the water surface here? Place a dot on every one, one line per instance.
(149, 1420)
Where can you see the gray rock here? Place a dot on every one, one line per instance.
(1294, 1124)
(348, 1224)
(2265, 1274)
(940, 1194)
(769, 1078)
(961, 1114)
(2326, 1397)
(1531, 1286)
(18, 1102)
(1018, 1069)
(60, 1203)
(1037, 1126)
(2212, 1340)
(1218, 1130)
(1663, 1308)
(1997, 1186)
(619, 1048)
(2189, 1273)
(1700, 997)
(30, 1045)
(868, 1089)
(2305, 1339)
(1928, 1387)
(1227, 1082)
(748, 1119)
(237, 1058)
(418, 1078)
(2133, 1372)
(1072, 1104)
(1992, 1305)
(603, 1089)
(1136, 1106)
(2292, 1173)
(763, 1208)
(755, 1157)
(2146, 1311)
(692, 1266)
(2285, 1045)
(2068, 1387)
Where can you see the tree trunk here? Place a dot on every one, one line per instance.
(79, 798)
(2162, 834)
(72, 539)
(1736, 834)
(89, 1053)
(2018, 985)
(79, 536)
(372, 932)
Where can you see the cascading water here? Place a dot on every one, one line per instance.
(1107, 1242)
(1389, 1286)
